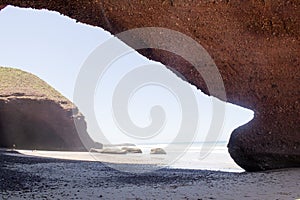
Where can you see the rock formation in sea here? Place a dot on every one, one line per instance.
(35, 116)
(132, 149)
(255, 45)
(158, 151)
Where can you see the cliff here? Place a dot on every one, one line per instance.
(35, 116)
(255, 45)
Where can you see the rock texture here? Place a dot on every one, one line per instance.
(157, 151)
(255, 45)
(35, 116)
(132, 149)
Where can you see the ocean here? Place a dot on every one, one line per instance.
(202, 156)
(199, 156)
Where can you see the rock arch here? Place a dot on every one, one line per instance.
(255, 45)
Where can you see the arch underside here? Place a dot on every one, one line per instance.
(254, 44)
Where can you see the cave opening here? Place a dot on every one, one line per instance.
(53, 47)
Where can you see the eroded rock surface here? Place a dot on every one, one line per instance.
(158, 151)
(255, 45)
(35, 116)
(132, 149)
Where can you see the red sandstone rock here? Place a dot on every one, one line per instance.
(255, 45)
(35, 116)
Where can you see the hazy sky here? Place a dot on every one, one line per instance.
(54, 48)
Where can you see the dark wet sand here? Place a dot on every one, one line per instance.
(42, 178)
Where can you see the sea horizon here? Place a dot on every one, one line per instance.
(179, 156)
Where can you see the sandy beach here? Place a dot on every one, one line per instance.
(218, 159)
(205, 95)
(27, 177)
